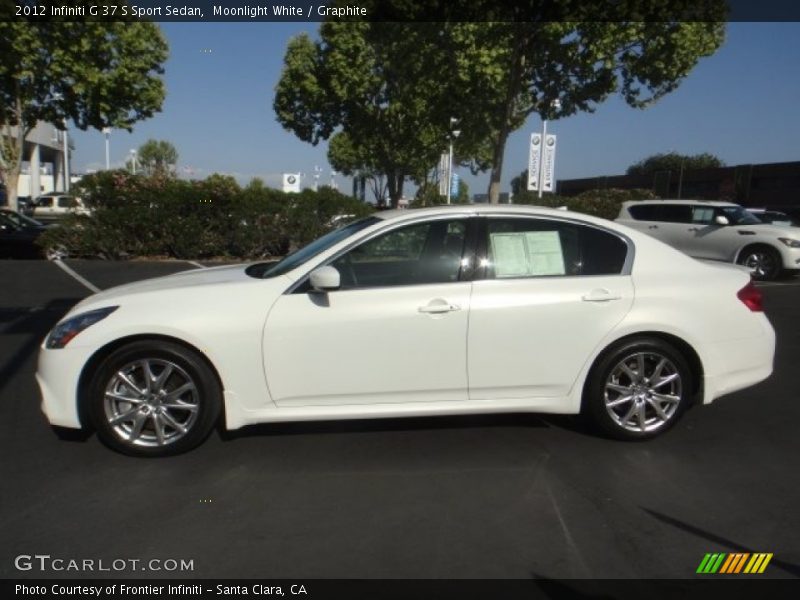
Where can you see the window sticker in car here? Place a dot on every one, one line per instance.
(527, 253)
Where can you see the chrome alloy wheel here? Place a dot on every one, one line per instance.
(151, 402)
(643, 392)
(762, 263)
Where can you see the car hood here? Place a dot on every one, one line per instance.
(185, 279)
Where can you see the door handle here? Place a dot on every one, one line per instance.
(438, 308)
(601, 295)
(693, 229)
(652, 227)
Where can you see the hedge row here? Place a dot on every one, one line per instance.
(600, 203)
(159, 216)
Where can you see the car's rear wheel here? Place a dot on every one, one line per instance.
(638, 389)
(764, 262)
(153, 398)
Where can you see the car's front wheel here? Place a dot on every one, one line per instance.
(638, 389)
(154, 398)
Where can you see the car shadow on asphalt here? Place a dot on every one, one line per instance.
(381, 425)
(34, 323)
(785, 566)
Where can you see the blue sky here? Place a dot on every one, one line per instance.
(742, 104)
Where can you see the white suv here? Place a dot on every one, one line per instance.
(58, 205)
(717, 231)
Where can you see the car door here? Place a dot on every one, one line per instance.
(45, 206)
(708, 239)
(395, 331)
(550, 291)
(674, 223)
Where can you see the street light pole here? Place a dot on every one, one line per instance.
(107, 132)
(133, 160)
(556, 104)
(454, 133)
(66, 160)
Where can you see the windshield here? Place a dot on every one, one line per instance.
(308, 252)
(21, 220)
(739, 216)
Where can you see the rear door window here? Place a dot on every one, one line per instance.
(644, 212)
(675, 213)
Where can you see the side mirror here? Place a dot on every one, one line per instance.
(721, 220)
(325, 279)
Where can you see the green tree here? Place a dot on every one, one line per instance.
(675, 162)
(94, 74)
(157, 157)
(374, 89)
(555, 59)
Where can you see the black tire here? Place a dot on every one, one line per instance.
(162, 418)
(765, 262)
(614, 419)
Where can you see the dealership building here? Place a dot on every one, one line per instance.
(44, 167)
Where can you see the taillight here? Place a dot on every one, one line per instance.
(751, 297)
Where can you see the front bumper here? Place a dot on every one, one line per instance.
(58, 375)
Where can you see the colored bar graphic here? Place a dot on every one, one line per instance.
(704, 564)
(765, 563)
(734, 563)
(729, 563)
(740, 563)
(717, 564)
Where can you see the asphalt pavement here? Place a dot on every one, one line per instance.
(451, 497)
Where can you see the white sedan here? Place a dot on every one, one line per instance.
(450, 310)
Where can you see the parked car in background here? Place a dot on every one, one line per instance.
(25, 205)
(58, 205)
(446, 310)
(18, 235)
(772, 217)
(716, 231)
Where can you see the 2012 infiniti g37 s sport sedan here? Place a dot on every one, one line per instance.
(449, 310)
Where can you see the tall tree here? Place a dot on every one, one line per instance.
(556, 59)
(673, 161)
(375, 90)
(93, 74)
(390, 87)
(157, 157)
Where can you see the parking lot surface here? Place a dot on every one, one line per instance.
(491, 496)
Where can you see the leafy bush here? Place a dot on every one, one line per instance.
(603, 203)
(160, 216)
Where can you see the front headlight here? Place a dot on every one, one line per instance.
(790, 242)
(66, 330)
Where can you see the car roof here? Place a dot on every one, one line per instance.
(680, 202)
(472, 209)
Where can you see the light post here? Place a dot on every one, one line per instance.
(454, 133)
(107, 132)
(556, 104)
(133, 160)
(66, 159)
